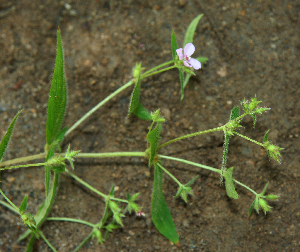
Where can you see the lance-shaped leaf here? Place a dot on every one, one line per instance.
(142, 113)
(235, 113)
(174, 46)
(135, 106)
(161, 215)
(57, 96)
(23, 205)
(190, 32)
(153, 137)
(229, 184)
(6, 138)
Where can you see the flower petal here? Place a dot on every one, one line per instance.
(186, 63)
(195, 63)
(189, 49)
(179, 53)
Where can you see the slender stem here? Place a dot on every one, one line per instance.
(12, 204)
(22, 159)
(117, 199)
(166, 171)
(42, 214)
(111, 154)
(83, 242)
(205, 167)
(9, 206)
(157, 67)
(30, 243)
(22, 166)
(249, 139)
(159, 71)
(248, 188)
(190, 163)
(98, 106)
(86, 184)
(70, 220)
(191, 135)
(47, 242)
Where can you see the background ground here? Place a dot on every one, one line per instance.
(253, 49)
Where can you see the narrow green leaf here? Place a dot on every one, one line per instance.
(23, 205)
(192, 181)
(57, 96)
(161, 215)
(135, 97)
(256, 204)
(181, 83)
(6, 138)
(235, 113)
(229, 185)
(254, 119)
(141, 112)
(174, 45)
(61, 134)
(264, 190)
(190, 32)
(112, 191)
(266, 136)
(153, 137)
(251, 208)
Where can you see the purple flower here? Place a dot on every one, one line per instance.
(189, 49)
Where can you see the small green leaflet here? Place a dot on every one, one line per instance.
(57, 96)
(235, 113)
(174, 45)
(229, 185)
(135, 106)
(153, 137)
(23, 205)
(6, 138)
(161, 215)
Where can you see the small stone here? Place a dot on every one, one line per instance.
(182, 3)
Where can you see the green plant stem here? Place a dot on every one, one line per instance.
(243, 185)
(205, 167)
(157, 67)
(84, 242)
(22, 159)
(42, 215)
(249, 139)
(22, 166)
(190, 163)
(159, 71)
(99, 105)
(86, 184)
(47, 242)
(70, 220)
(9, 206)
(12, 205)
(30, 243)
(111, 154)
(191, 135)
(166, 171)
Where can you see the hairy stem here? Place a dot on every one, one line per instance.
(82, 119)
(191, 135)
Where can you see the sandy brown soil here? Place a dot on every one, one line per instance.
(253, 49)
